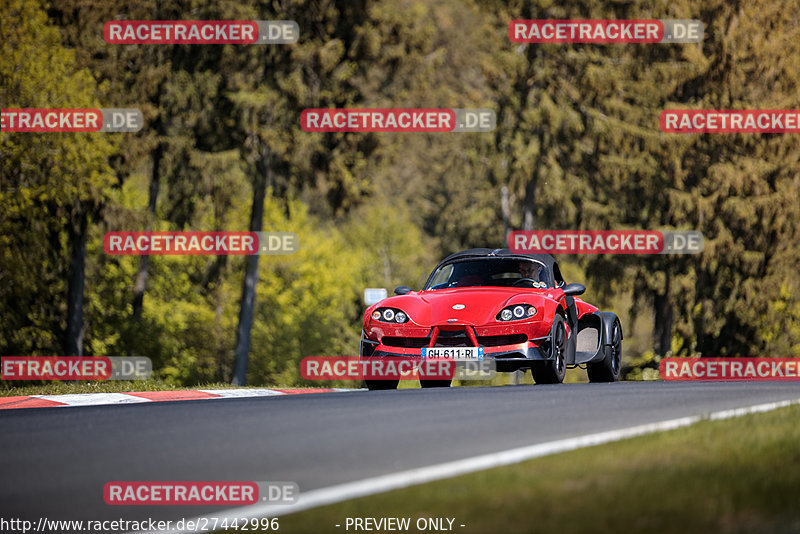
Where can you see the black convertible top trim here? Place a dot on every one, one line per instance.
(548, 260)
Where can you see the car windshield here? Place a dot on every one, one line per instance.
(475, 272)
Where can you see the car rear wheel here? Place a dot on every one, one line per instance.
(377, 385)
(434, 383)
(608, 370)
(553, 370)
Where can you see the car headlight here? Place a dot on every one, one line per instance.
(389, 315)
(516, 312)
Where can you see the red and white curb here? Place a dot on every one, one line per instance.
(97, 399)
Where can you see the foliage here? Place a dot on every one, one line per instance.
(577, 146)
(48, 183)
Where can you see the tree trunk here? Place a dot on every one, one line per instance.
(78, 234)
(506, 212)
(144, 260)
(662, 332)
(529, 205)
(246, 308)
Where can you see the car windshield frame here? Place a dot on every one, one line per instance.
(503, 276)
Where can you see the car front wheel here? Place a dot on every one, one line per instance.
(553, 370)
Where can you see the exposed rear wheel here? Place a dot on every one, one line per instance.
(553, 370)
(608, 370)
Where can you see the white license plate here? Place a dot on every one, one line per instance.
(453, 353)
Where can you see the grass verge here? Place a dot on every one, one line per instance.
(733, 476)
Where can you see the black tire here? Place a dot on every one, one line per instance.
(553, 370)
(378, 385)
(608, 370)
(434, 383)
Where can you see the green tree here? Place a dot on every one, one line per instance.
(52, 189)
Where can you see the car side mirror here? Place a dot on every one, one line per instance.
(402, 290)
(574, 289)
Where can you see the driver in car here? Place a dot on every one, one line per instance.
(530, 269)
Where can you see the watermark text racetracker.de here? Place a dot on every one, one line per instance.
(193, 493)
(200, 243)
(605, 242)
(75, 368)
(738, 369)
(436, 120)
(442, 366)
(600, 31)
(43, 120)
(191, 32)
(730, 121)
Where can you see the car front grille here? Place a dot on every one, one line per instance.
(406, 342)
(497, 341)
(453, 338)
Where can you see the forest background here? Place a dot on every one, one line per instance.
(577, 146)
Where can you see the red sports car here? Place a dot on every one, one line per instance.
(513, 308)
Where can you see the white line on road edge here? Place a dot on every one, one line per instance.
(403, 479)
(93, 399)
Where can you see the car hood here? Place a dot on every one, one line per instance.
(468, 305)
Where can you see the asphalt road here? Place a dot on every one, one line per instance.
(54, 462)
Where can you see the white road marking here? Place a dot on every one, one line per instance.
(93, 399)
(229, 393)
(422, 475)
